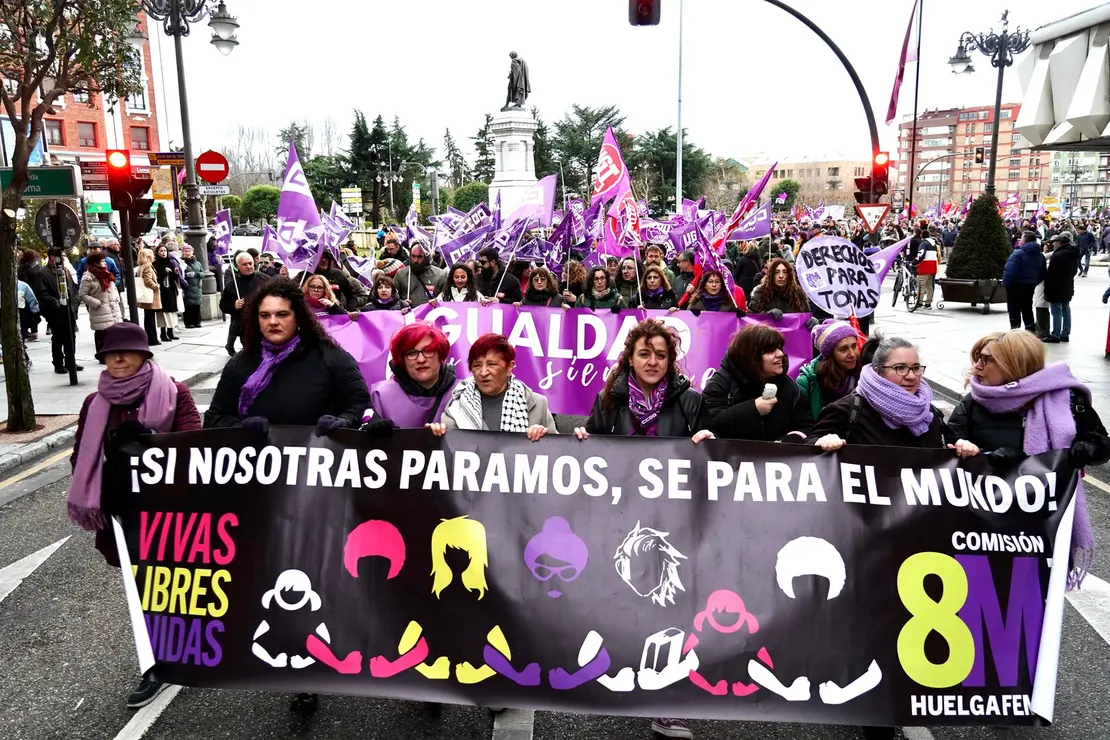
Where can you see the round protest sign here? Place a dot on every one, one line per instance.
(839, 277)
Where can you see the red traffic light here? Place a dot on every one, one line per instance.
(118, 158)
(882, 159)
(119, 178)
(644, 12)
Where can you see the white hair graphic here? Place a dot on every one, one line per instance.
(643, 542)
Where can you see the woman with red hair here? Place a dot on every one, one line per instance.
(422, 381)
(492, 400)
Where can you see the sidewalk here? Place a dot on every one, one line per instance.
(197, 355)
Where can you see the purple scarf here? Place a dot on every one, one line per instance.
(645, 410)
(1045, 397)
(713, 302)
(260, 378)
(158, 393)
(897, 407)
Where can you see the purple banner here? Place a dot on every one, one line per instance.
(221, 224)
(537, 202)
(465, 247)
(296, 210)
(756, 226)
(563, 355)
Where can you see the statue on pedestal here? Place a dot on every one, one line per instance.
(519, 86)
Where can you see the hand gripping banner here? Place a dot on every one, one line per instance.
(614, 575)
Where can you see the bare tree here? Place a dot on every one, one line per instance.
(251, 159)
(331, 138)
(726, 183)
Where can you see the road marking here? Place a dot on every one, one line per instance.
(917, 733)
(1092, 601)
(12, 575)
(511, 724)
(53, 459)
(146, 716)
(1096, 483)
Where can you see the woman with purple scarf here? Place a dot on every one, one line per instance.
(1018, 407)
(645, 396)
(133, 396)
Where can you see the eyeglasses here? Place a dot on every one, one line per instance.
(484, 263)
(984, 360)
(426, 353)
(903, 370)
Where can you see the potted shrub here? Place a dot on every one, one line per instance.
(975, 265)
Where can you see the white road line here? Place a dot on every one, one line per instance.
(511, 724)
(12, 575)
(146, 716)
(1092, 601)
(917, 733)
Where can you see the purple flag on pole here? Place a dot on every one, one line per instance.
(884, 259)
(363, 268)
(709, 258)
(642, 208)
(479, 216)
(414, 232)
(593, 222)
(577, 206)
(507, 240)
(222, 226)
(655, 232)
(684, 236)
(534, 250)
(538, 201)
(466, 246)
(296, 210)
(748, 202)
(756, 226)
(496, 213)
(610, 170)
(782, 198)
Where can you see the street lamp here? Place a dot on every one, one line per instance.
(1001, 48)
(176, 17)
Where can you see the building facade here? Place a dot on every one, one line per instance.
(829, 178)
(944, 161)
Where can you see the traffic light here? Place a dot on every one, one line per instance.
(863, 190)
(644, 12)
(139, 217)
(880, 175)
(118, 164)
(979, 154)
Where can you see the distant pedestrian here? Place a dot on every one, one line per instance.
(1059, 286)
(169, 288)
(194, 283)
(28, 311)
(1024, 270)
(99, 294)
(144, 273)
(1088, 242)
(238, 287)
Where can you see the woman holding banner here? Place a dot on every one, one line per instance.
(751, 396)
(712, 295)
(657, 292)
(779, 292)
(422, 381)
(834, 373)
(628, 282)
(600, 293)
(383, 297)
(575, 284)
(462, 287)
(133, 396)
(492, 400)
(543, 290)
(320, 298)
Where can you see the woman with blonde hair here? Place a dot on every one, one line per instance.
(657, 292)
(320, 297)
(144, 271)
(1018, 406)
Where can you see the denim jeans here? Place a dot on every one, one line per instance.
(1061, 320)
(1086, 262)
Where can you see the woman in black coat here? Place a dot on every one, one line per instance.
(169, 288)
(657, 292)
(736, 397)
(542, 290)
(747, 270)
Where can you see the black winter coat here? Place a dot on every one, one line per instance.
(550, 300)
(1059, 283)
(668, 300)
(247, 285)
(970, 420)
(870, 429)
(730, 403)
(194, 274)
(313, 381)
(683, 413)
(747, 269)
(510, 287)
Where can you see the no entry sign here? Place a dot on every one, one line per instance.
(212, 167)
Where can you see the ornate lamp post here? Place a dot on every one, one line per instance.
(176, 17)
(1001, 48)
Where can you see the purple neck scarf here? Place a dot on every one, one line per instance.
(897, 407)
(1045, 396)
(272, 354)
(646, 409)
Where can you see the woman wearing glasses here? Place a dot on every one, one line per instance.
(892, 406)
(421, 386)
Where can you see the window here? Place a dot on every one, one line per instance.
(53, 132)
(1015, 174)
(137, 100)
(1007, 113)
(140, 138)
(983, 115)
(790, 173)
(988, 127)
(1015, 162)
(967, 116)
(80, 96)
(834, 172)
(11, 84)
(858, 172)
(86, 135)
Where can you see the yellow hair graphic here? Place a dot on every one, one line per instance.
(461, 533)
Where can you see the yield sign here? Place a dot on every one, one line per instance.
(873, 215)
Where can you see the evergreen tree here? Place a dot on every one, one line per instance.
(302, 136)
(983, 246)
(457, 170)
(486, 166)
(160, 217)
(577, 141)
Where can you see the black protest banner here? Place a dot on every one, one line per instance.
(616, 575)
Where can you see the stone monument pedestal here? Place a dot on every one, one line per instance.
(513, 145)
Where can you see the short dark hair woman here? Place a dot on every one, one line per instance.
(383, 296)
(600, 293)
(751, 396)
(542, 290)
(290, 371)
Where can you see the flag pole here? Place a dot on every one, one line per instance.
(505, 271)
(911, 173)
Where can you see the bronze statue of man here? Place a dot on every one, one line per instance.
(519, 85)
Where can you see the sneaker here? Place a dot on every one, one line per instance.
(146, 692)
(1065, 340)
(1051, 340)
(60, 370)
(668, 727)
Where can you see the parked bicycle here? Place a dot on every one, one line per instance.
(905, 285)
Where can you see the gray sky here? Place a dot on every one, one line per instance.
(755, 79)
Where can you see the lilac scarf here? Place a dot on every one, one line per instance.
(272, 354)
(897, 407)
(646, 409)
(1045, 396)
(158, 393)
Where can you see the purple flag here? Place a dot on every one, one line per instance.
(610, 171)
(496, 213)
(222, 226)
(655, 232)
(479, 216)
(690, 209)
(709, 258)
(642, 208)
(538, 201)
(456, 211)
(340, 217)
(296, 210)
(466, 246)
(884, 259)
(593, 223)
(363, 268)
(507, 240)
(684, 236)
(534, 250)
(756, 226)
(781, 199)
(748, 202)
(577, 206)
(414, 232)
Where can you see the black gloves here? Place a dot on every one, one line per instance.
(741, 313)
(327, 423)
(131, 429)
(1005, 458)
(257, 425)
(775, 314)
(1082, 453)
(812, 322)
(616, 309)
(378, 427)
(695, 311)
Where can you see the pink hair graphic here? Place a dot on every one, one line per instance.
(374, 538)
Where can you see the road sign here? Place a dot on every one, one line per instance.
(214, 189)
(94, 207)
(416, 196)
(71, 226)
(212, 167)
(898, 200)
(166, 159)
(873, 215)
(45, 182)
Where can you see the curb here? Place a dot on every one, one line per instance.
(34, 451)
